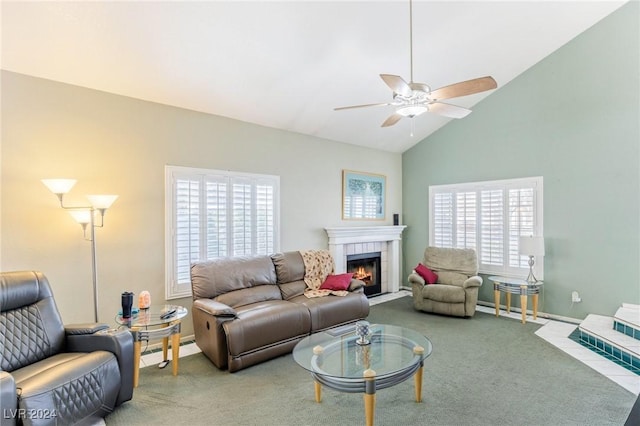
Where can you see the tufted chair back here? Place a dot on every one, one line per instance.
(30, 324)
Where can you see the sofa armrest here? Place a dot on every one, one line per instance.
(8, 399)
(474, 281)
(355, 284)
(416, 279)
(118, 342)
(214, 308)
(84, 328)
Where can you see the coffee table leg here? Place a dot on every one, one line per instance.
(496, 298)
(318, 388)
(369, 396)
(534, 302)
(418, 350)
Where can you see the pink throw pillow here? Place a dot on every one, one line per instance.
(429, 276)
(337, 282)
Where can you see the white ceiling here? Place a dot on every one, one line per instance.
(287, 64)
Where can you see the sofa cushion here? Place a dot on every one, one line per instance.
(292, 289)
(444, 293)
(264, 324)
(330, 311)
(337, 282)
(289, 266)
(248, 296)
(219, 276)
(464, 261)
(451, 278)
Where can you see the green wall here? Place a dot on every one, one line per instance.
(573, 118)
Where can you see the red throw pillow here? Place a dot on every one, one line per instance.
(429, 276)
(337, 282)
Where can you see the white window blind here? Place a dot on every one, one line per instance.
(211, 214)
(488, 217)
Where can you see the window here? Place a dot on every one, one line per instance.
(213, 213)
(488, 217)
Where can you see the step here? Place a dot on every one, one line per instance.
(627, 320)
(597, 333)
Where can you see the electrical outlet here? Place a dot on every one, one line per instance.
(575, 297)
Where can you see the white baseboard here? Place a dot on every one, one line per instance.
(540, 314)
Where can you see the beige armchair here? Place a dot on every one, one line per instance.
(456, 289)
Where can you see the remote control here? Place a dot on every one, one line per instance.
(167, 314)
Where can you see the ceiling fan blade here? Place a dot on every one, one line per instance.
(464, 88)
(397, 84)
(360, 106)
(391, 120)
(448, 110)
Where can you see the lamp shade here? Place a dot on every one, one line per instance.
(59, 186)
(531, 246)
(83, 217)
(102, 201)
(412, 110)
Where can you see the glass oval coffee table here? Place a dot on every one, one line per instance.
(335, 359)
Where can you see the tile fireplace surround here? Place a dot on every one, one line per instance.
(344, 241)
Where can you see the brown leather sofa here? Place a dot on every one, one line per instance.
(247, 310)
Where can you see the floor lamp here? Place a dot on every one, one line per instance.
(85, 216)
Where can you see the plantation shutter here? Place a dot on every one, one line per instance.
(443, 219)
(217, 218)
(187, 227)
(492, 227)
(212, 214)
(521, 223)
(488, 217)
(264, 219)
(466, 219)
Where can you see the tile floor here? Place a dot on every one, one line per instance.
(555, 332)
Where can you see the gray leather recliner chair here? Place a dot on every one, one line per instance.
(52, 374)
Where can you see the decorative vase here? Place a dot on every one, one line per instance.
(363, 331)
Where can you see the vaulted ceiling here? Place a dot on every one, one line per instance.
(287, 64)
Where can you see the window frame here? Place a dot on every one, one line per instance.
(504, 185)
(175, 289)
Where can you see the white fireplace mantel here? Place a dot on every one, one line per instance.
(391, 235)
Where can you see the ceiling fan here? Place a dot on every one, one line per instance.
(412, 99)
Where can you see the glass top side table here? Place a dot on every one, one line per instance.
(168, 318)
(517, 286)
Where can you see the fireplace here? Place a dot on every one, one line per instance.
(366, 267)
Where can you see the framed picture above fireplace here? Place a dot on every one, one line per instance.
(363, 196)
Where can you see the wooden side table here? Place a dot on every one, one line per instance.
(169, 327)
(517, 286)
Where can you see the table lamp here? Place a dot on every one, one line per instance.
(531, 246)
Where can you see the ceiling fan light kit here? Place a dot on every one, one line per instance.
(413, 99)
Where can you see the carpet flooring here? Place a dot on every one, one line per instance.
(483, 371)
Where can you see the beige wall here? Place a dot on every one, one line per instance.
(114, 144)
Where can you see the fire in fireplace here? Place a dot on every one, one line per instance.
(366, 267)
